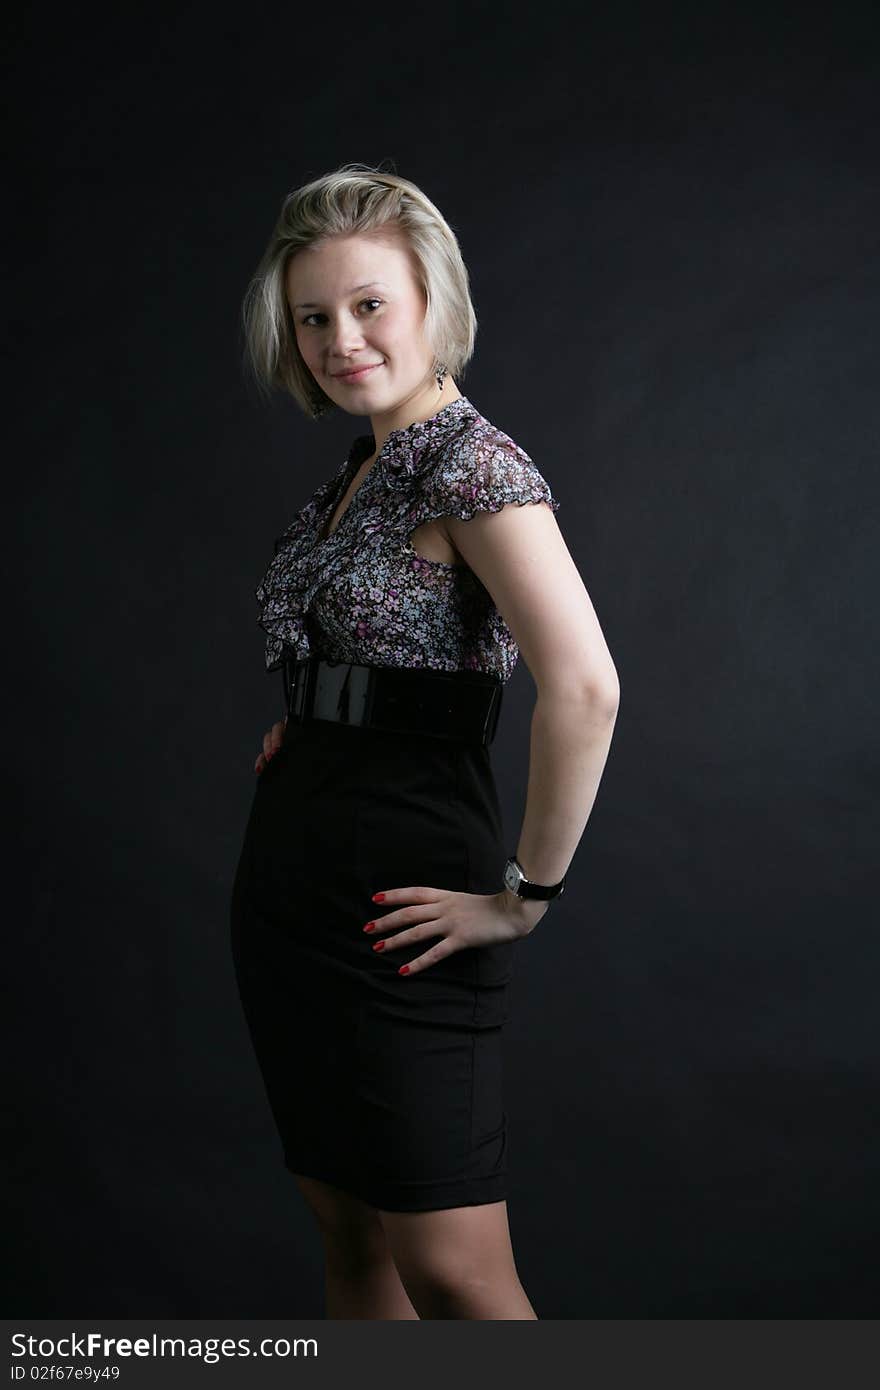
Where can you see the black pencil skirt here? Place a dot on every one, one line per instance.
(385, 1085)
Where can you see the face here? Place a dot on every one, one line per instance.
(356, 303)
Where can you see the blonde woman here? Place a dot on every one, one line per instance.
(377, 908)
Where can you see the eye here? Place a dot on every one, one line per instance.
(305, 321)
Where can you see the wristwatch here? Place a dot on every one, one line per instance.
(516, 881)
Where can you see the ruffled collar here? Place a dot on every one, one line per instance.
(408, 450)
(304, 561)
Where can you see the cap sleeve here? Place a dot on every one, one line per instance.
(479, 475)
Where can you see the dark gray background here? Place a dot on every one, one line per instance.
(670, 217)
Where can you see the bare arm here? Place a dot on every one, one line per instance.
(521, 557)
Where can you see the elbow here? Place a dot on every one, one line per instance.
(600, 693)
(605, 695)
(602, 690)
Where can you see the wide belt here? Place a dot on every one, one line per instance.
(460, 705)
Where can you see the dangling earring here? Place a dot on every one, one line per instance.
(320, 407)
(440, 374)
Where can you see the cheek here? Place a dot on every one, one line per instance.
(394, 339)
(307, 350)
(405, 338)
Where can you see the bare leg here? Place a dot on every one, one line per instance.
(360, 1276)
(458, 1263)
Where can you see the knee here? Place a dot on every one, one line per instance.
(444, 1286)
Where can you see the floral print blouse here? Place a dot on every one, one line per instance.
(363, 594)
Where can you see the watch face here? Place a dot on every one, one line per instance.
(512, 878)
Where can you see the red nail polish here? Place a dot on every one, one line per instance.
(404, 970)
(371, 926)
(378, 897)
(378, 945)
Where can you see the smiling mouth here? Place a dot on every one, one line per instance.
(357, 375)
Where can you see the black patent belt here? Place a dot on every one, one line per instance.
(462, 705)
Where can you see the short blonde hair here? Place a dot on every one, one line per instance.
(355, 198)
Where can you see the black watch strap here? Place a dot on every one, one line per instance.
(516, 881)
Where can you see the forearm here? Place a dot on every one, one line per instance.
(569, 743)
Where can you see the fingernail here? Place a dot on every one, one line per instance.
(371, 926)
(378, 897)
(404, 970)
(378, 945)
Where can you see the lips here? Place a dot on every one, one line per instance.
(358, 372)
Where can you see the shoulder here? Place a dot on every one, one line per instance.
(480, 467)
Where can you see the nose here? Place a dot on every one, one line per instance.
(343, 339)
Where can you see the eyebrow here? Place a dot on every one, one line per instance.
(353, 290)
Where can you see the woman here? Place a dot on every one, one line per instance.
(375, 914)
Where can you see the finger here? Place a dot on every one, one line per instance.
(409, 936)
(429, 910)
(277, 735)
(429, 958)
(414, 894)
(260, 763)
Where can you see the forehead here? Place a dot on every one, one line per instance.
(340, 265)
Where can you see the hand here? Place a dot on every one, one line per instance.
(459, 919)
(271, 743)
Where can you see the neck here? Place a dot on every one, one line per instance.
(421, 405)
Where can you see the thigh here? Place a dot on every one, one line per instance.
(344, 1219)
(450, 1246)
